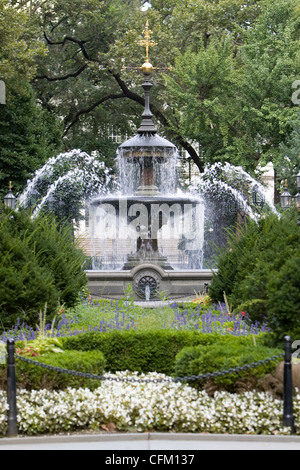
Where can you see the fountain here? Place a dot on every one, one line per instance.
(155, 232)
(142, 231)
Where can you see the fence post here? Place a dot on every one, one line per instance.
(12, 429)
(288, 414)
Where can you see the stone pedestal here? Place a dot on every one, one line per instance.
(172, 284)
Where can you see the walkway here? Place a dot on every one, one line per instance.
(152, 441)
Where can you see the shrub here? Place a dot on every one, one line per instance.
(155, 350)
(141, 351)
(39, 264)
(258, 272)
(229, 352)
(34, 377)
(284, 298)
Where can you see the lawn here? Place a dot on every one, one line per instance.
(104, 315)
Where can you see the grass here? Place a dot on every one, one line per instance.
(126, 314)
(103, 315)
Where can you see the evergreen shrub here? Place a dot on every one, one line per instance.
(141, 351)
(34, 377)
(259, 272)
(157, 350)
(229, 352)
(39, 264)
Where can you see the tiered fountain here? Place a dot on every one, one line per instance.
(148, 235)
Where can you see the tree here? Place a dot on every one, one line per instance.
(243, 119)
(289, 166)
(233, 95)
(29, 135)
(19, 46)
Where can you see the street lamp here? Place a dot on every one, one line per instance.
(297, 197)
(286, 198)
(9, 199)
(258, 199)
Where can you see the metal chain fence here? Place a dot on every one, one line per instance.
(190, 378)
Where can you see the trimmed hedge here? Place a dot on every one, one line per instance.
(170, 352)
(228, 353)
(157, 350)
(33, 377)
(141, 351)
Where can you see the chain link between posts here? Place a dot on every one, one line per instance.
(190, 378)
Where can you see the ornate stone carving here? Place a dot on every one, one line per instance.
(144, 278)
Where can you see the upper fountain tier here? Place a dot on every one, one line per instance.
(147, 143)
(147, 148)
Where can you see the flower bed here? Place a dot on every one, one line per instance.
(147, 406)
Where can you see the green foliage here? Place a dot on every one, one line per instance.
(142, 351)
(39, 264)
(157, 350)
(19, 46)
(33, 377)
(259, 272)
(226, 353)
(29, 135)
(289, 165)
(284, 297)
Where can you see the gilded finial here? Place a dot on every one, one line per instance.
(147, 68)
(10, 186)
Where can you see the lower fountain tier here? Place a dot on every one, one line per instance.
(172, 284)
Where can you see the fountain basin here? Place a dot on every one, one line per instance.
(147, 229)
(172, 284)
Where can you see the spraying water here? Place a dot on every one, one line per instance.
(73, 174)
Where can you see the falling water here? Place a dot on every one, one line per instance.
(129, 172)
(147, 292)
(212, 178)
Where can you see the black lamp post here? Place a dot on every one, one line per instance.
(258, 199)
(9, 199)
(297, 197)
(286, 199)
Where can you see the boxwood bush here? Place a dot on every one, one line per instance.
(229, 352)
(159, 350)
(34, 377)
(141, 351)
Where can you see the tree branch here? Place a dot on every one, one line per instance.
(63, 77)
(91, 108)
(126, 93)
(74, 41)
